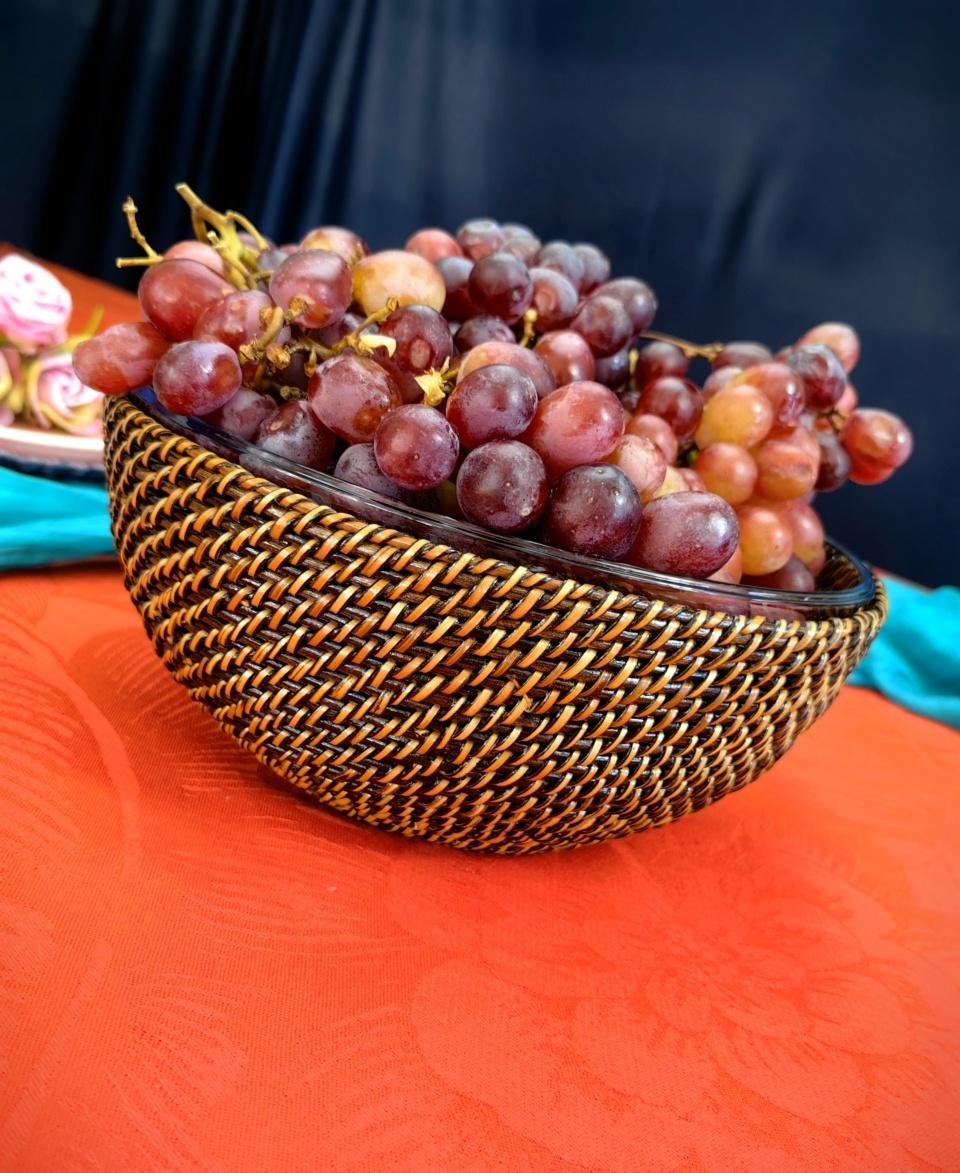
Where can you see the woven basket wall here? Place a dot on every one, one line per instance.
(441, 694)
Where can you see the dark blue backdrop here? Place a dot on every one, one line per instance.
(763, 165)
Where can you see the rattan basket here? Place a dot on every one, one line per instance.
(441, 693)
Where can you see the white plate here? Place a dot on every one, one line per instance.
(21, 444)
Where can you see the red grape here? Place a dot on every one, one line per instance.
(821, 375)
(350, 395)
(173, 295)
(479, 238)
(495, 402)
(321, 278)
(416, 447)
(689, 533)
(501, 285)
(742, 354)
(244, 414)
(346, 244)
(784, 470)
(792, 576)
(554, 298)
(559, 255)
(596, 266)
(847, 403)
(640, 302)
(604, 323)
(503, 484)
(457, 304)
(657, 359)
(841, 338)
(235, 321)
(731, 571)
(433, 244)
(423, 338)
(567, 354)
(781, 387)
(196, 250)
(294, 433)
(877, 442)
(806, 532)
(595, 510)
(727, 470)
(678, 401)
(515, 356)
(120, 359)
(658, 430)
(614, 369)
(642, 462)
(484, 328)
(578, 424)
(195, 378)
(693, 480)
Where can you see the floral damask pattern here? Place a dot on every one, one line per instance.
(198, 971)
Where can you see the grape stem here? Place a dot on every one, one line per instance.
(529, 318)
(151, 256)
(707, 350)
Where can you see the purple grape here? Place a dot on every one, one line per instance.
(416, 447)
(480, 238)
(604, 323)
(820, 372)
(554, 298)
(558, 255)
(501, 285)
(358, 466)
(422, 336)
(636, 297)
(295, 434)
(614, 370)
(596, 266)
(484, 328)
(495, 402)
(690, 534)
(503, 485)
(594, 510)
(244, 414)
(456, 271)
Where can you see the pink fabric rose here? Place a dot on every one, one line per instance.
(34, 307)
(57, 399)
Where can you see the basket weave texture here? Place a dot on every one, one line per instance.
(442, 694)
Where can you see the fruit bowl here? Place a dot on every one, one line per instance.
(429, 678)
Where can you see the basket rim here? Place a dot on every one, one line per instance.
(319, 487)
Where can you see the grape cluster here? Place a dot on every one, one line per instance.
(493, 377)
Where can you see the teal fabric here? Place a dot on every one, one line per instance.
(915, 659)
(44, 521)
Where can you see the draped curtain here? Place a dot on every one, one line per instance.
(763, 165)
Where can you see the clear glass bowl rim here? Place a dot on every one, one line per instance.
(445, 530)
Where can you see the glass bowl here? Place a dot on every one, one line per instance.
(847, 582)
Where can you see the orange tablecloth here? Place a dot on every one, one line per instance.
(199, 971)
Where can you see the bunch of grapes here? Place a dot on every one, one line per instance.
(493, 377)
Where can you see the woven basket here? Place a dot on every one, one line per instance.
(443, 694)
